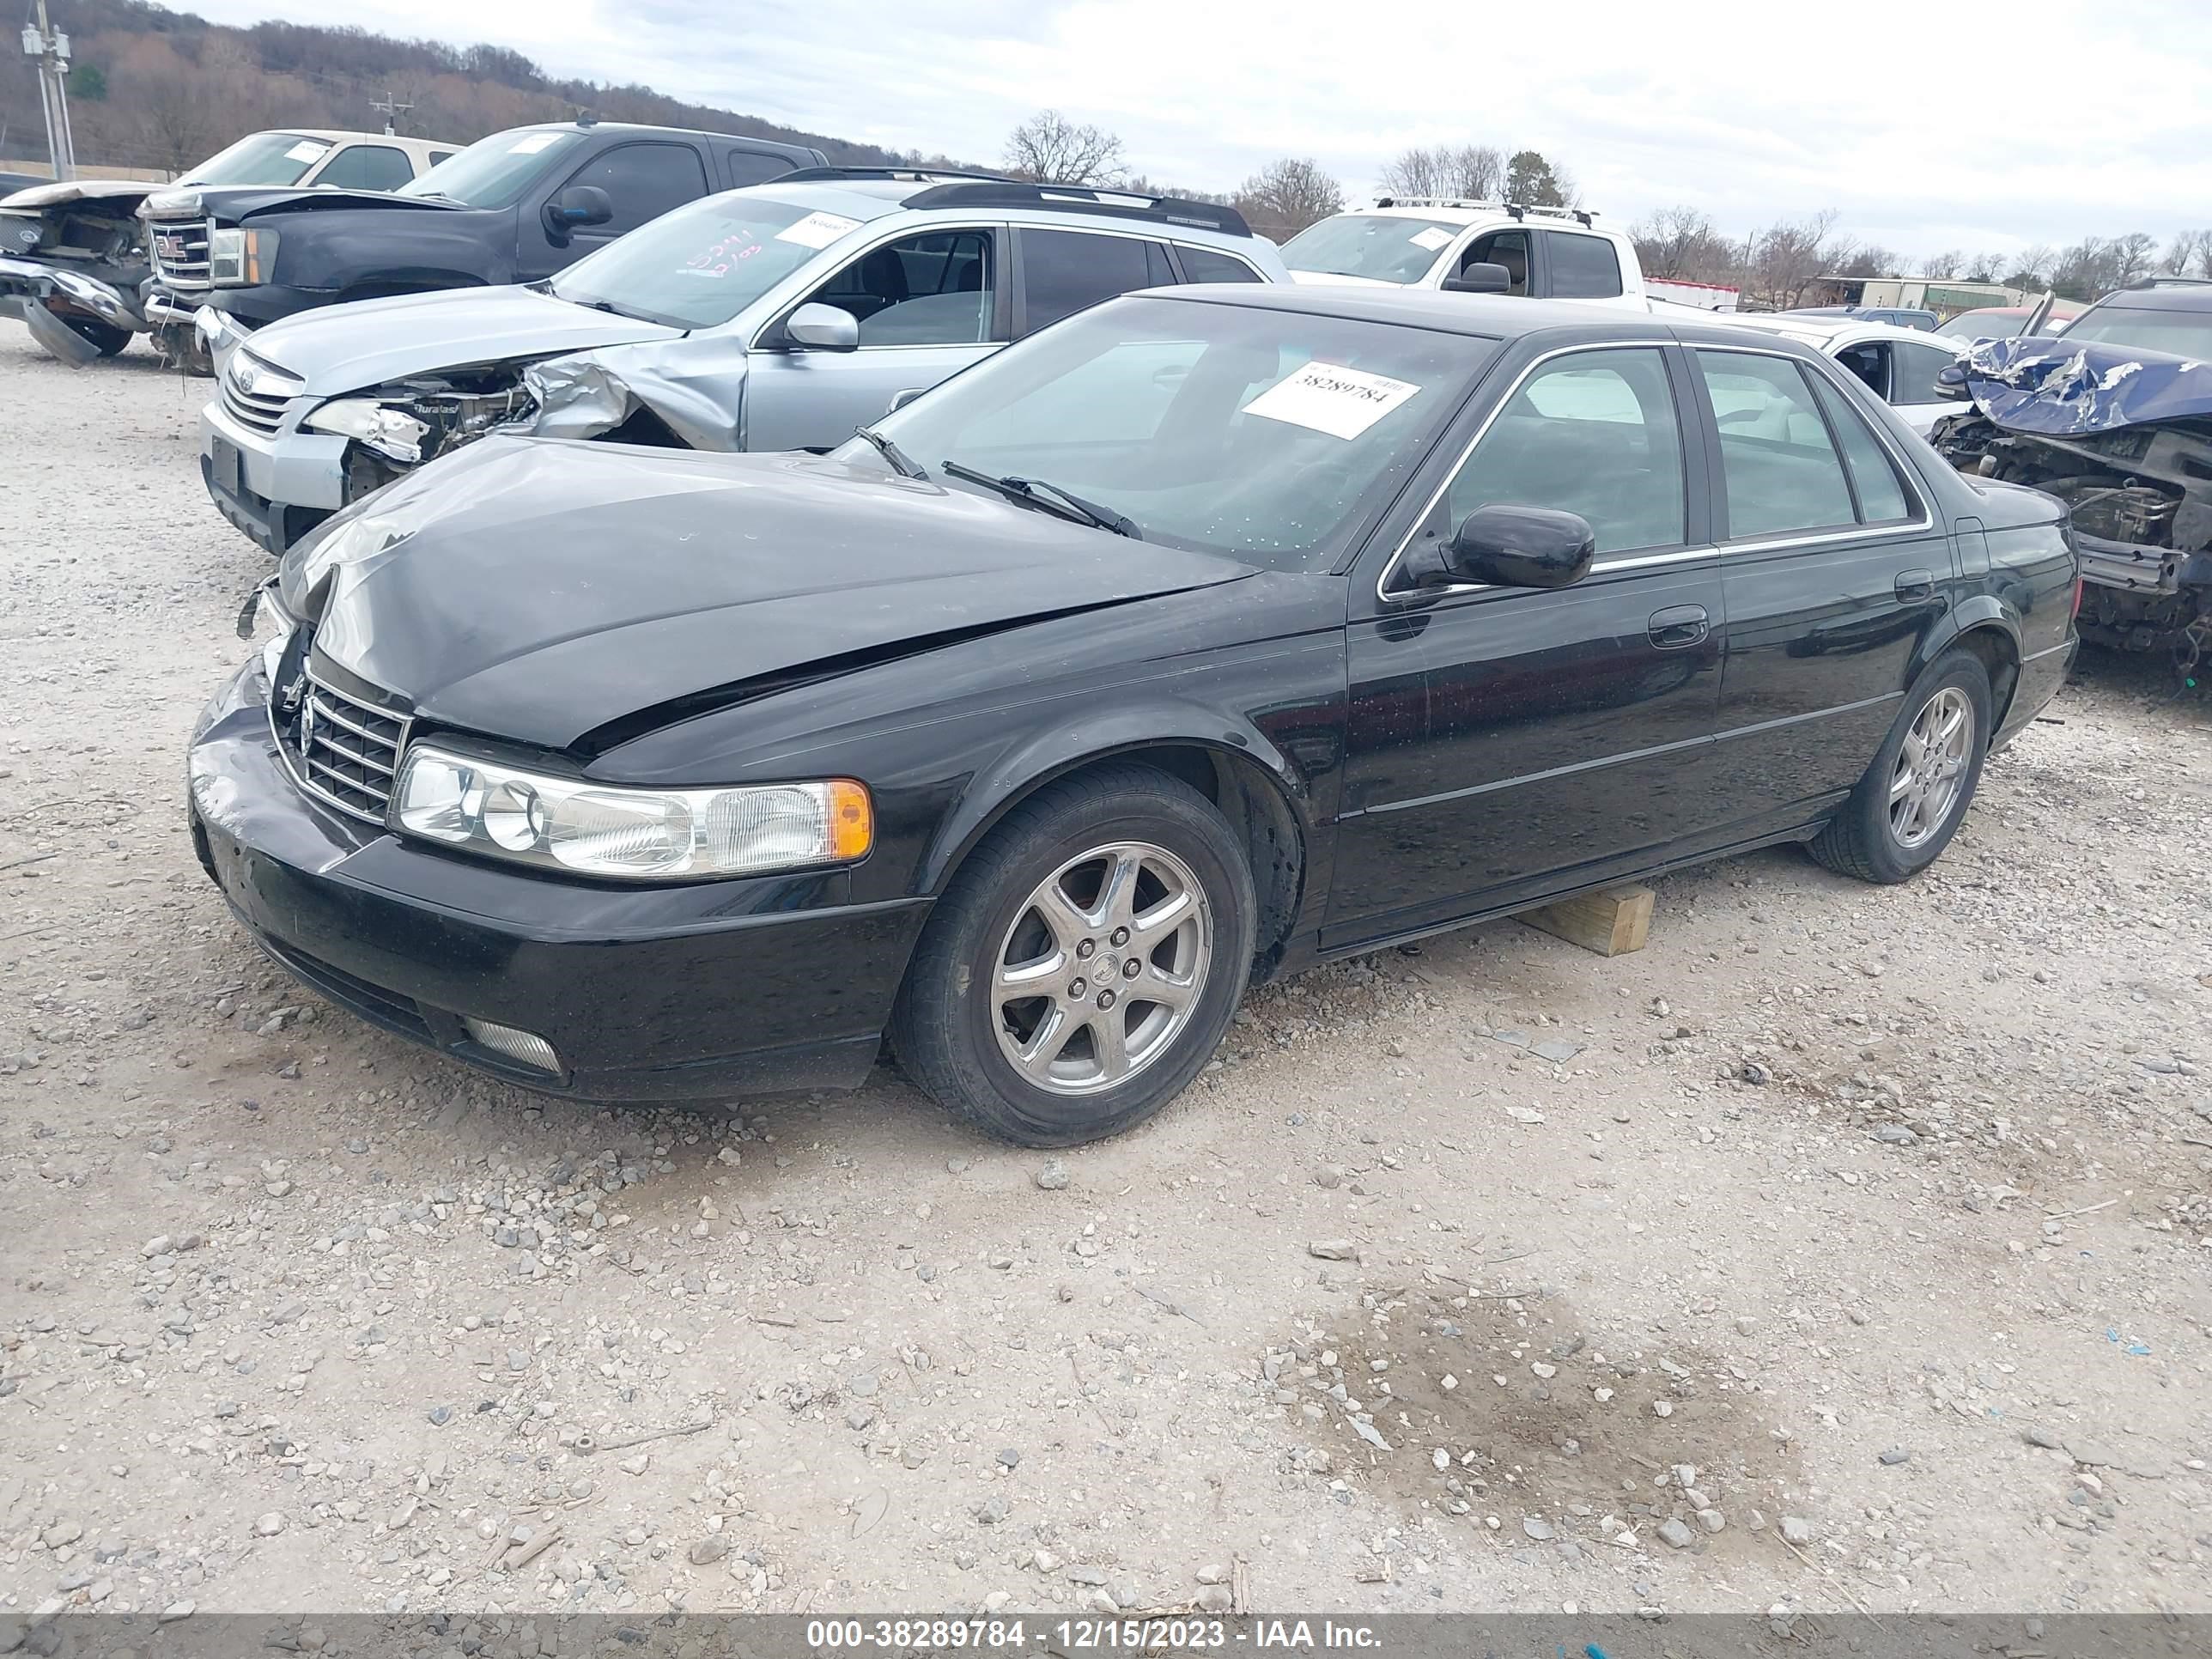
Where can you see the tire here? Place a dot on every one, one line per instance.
(1904, 812)
(110, 339)
(957, 1029)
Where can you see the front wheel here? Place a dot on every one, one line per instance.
(1083, 963)
(110, 340)
(1909, 804)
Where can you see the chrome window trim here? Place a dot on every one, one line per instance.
(1632, 560)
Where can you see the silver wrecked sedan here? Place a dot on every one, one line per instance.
(782, 316)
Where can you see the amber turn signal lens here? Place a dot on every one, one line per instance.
(852, 819)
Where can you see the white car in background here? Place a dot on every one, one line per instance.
(1899, 364)
(1404, 241)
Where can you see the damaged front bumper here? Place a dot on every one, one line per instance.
(273, 486)
(43, 296)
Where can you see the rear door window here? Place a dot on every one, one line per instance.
(642, 181)
(1882, 498)
(1778, 460)
(1064, 272)
(1582, 267)
(368, 167)
(1205, 264)
(752, 166)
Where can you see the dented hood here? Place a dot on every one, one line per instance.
(2045, 385)
(350, 348)
(124, 193)
(538, 590)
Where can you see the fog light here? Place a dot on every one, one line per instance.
(518, 1045)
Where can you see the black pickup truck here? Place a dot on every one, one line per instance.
(512, 208)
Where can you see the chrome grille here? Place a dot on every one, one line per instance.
(260, 412)
(348, 750)
(179, 248)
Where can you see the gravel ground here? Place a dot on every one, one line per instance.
(1845, 1248)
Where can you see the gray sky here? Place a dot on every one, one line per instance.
(2026, 122)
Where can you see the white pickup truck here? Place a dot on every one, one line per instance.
(1551, 253)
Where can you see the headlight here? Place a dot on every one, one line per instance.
(236, 258)
(636, 834)
(386, 430)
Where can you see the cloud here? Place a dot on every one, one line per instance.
(2043, 123)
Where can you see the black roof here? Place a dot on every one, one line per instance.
(1493, 316)
(1484, 316)
(2167, 295)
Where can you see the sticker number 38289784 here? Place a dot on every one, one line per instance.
(1327, 398)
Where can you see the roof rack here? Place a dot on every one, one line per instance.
(1083, 198)
(2172, 282)
(1518, 209)
(905, 175)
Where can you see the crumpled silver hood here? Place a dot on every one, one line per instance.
(335, 350)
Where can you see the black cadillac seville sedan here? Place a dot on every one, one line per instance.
(1206, 634)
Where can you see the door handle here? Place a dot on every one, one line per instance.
(1678, 626)
(1916, 587)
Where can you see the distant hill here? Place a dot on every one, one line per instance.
(153, 87)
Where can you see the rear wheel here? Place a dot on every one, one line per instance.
(1083, 963)
(1909, 805)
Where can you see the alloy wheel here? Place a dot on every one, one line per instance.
(1930, 774)
(1100, 968)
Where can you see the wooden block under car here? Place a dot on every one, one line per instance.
(1611, 921)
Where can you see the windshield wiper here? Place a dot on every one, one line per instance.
(901, 462)
(1050, 498)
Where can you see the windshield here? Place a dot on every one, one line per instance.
(1387, 248)
(493, 171)
(1237, 429)
(2183, 333)
(1989, 324)
(262, 158)
(704, 263)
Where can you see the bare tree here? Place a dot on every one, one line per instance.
(1466, 171)
(1678, 243)
(2133, 256)
(1941, 267)
(2031, 267)
(1051, 148)
(1287, 196)
(1983, 267)
(1782, 262)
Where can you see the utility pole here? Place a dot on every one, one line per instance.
(385, 107)
(52, 48)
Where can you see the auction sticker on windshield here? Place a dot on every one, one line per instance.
(306, 151)
(1432, 238)
(1341, 402)
(531, 144)
(818, 229)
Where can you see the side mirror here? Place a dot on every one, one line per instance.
(577, 206)
(1503, 546)
(815, 327)
(1480, 277)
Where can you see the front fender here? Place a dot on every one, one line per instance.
(1054, 752)
(694, 384)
